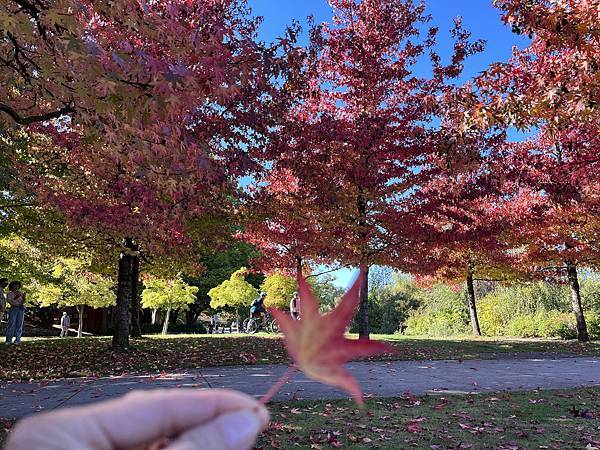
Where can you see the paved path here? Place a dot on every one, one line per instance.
(385, 379)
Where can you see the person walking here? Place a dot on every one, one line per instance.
(65, 322)
(3, 284)
(16, 314)
(214, 323)
(295, 306)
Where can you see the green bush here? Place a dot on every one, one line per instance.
(592, 319)
(543, 324)
(517, 310)
(557, 324)
(427, 324)
(390, 305)
(505, 304)
(523, 326)
(590, 294)
(493, 314)
(444, 313)
(529, 310)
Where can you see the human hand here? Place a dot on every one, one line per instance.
(148, 420)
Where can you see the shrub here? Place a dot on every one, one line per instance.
(522, 326)
(436, 324)
(559, 325)
(593, 323)
(529, 310)
(590, 294)
(543, 324)
(444, 313)
(518, 310)
(418, 324)
(492, 314)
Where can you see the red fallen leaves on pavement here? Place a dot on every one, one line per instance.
(317, 343)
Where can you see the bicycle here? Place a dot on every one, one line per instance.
(252, 325)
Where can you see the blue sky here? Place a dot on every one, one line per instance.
(479, 17)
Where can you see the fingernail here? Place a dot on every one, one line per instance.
(241, 427)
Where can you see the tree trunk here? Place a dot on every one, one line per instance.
(80, 327)
(582, 333)
(363, 307)
(136, 329)
(166, 322)
(154, 313)
(120, 339)
(174, 316)
(472, 305)
(191, 315)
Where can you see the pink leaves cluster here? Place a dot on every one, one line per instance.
(552, 85)
(354, 135)
(151, 95)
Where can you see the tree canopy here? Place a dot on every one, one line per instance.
(167, 294)
(234, 293)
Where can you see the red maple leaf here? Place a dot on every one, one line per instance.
(317, 343)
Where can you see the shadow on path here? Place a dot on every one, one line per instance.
(381, 379)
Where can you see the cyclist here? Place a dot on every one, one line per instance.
(257, 308)
(295, 307)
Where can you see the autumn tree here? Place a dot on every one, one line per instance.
(551, 88)
(145, 106)
(361, 137)
(470, 221)
(560, 236)
(167, 295)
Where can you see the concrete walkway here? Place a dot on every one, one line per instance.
(382, 379)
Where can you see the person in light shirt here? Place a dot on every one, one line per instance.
(65, 322)
(295, 306)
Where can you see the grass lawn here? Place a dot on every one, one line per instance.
(51, 358)
(564, 419)
(561, 419)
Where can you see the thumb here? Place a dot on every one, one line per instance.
(236, 430)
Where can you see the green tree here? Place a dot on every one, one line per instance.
(393, 303)
(233, 293)
(326, 291)
(73, 285)
(19, 260)
(167, 295)
(218, 267)
(279, 289)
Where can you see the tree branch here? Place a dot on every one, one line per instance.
(327, 271)
(21, 120)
